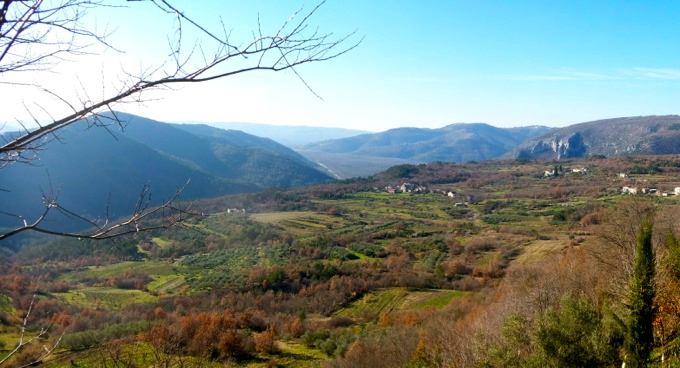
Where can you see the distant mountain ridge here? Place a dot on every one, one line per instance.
(294, 136)
(96, 168)
(638, 135)
(452, 143)
(7, 127)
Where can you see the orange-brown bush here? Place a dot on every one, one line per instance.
(264, 341)
(393, 348)
(454, 267)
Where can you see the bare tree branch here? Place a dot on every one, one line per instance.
(168, 214)
(292, 46)
(37, 34)
(23, 341)
(55, 26)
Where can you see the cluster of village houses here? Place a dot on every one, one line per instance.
(625, 190)
(653, 191)
(413, 188)
(407, 188)
(558, 169)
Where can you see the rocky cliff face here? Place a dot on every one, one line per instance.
(611, 137)
(555, 147)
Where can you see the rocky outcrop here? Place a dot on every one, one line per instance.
(555, 147)
(612, 137)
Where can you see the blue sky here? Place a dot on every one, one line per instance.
(421, 63)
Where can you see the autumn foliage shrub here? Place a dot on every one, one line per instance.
(295, 328)
(210, 335)
(264, 341)
(130, 280)
(336, 322)
(455, 267)
(479, 245)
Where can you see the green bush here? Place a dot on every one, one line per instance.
(368, 249)
(86, 339)
(458, 213)
(312, 338)
(340, 253)
(575, 335)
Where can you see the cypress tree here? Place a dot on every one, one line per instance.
(640, 329)
(673, 258)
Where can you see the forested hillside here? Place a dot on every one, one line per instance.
(452, 143)
(288, 135)
(508, 263)
(367, 154)
(99, 173)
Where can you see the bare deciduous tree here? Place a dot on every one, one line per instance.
(615, 251)
(37, 34)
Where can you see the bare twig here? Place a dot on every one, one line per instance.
(58, 29)
(171, 213)
(23, 340)
(290, 43)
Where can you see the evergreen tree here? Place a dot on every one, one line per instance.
(673, 259)
(640, 334)
(577, 335)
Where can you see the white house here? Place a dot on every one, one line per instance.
(629, 190)
(407, 187)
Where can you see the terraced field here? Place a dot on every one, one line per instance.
(302, 223)
(375, 304)
(107, 298)
(136, 354)
(152, 268)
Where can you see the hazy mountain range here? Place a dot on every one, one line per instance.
(7, 127)
(92, 169)
(96, 170)
(452, 143)
(289, 135)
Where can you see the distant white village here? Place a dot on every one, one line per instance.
(567, 170)
(651, 191)
(646, 190)
(556, 171)
(419, 189)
